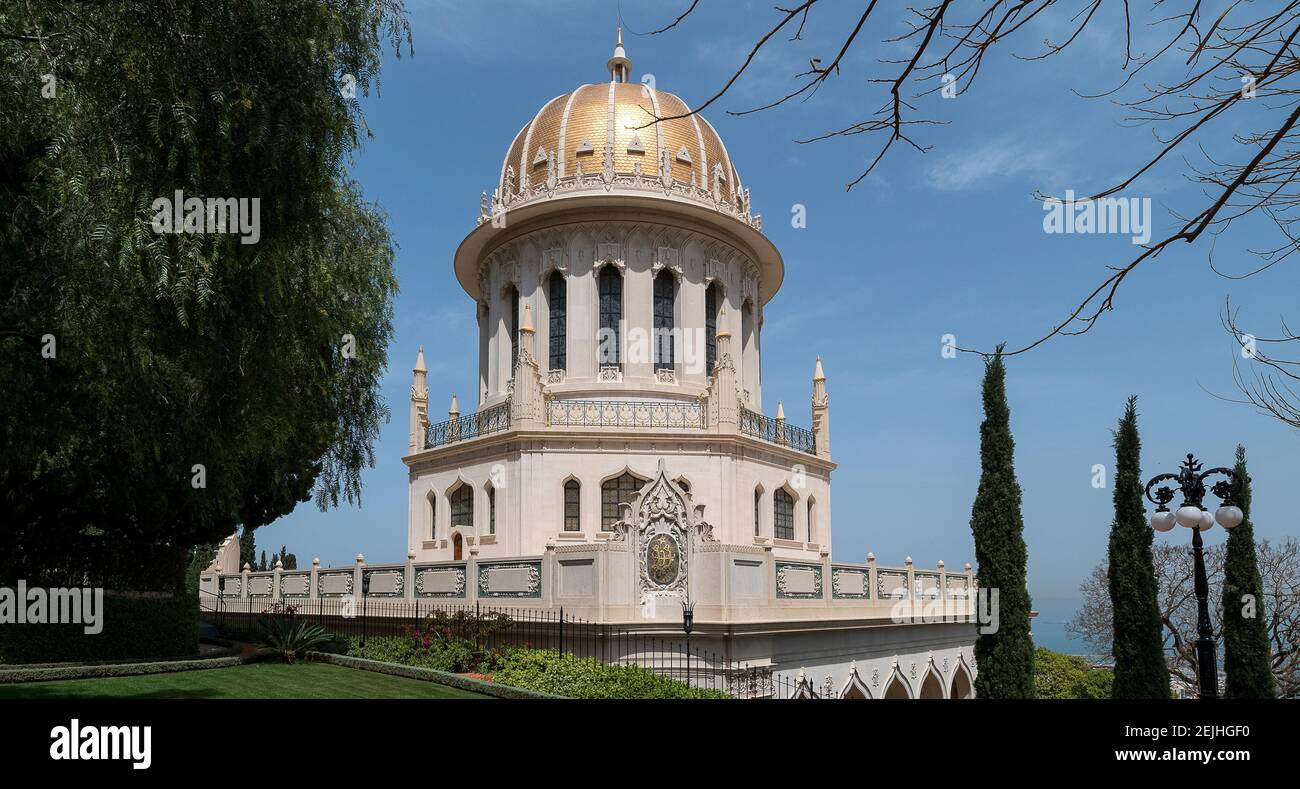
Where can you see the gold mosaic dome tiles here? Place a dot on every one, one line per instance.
(573, 129)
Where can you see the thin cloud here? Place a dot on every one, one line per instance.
(1003, 157)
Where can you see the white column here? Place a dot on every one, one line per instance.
(638, 322)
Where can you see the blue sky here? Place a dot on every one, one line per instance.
(946, 242)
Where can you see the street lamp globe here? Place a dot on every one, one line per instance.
(1163, 520)
(1189, 516)
(1207, 520)
(1229, 516)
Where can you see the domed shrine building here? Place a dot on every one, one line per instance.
(618, 461)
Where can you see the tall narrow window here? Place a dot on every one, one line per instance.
(610, 285)
(514, 329)
(782, 515)
(812, 522)
(613, 492)
(492, 509)
(711, 327)
(758, 513)
(572, 506)
(462, 508)
(558, 298)
(664, 287)
(433, 515)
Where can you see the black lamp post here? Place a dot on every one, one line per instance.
(365, 592)
(1193, 515)
(688, 623)
(221, 597)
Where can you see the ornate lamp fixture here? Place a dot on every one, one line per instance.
(1192, 514)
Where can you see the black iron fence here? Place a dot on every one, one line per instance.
(489, 628)
(480, 423)
(775, 431)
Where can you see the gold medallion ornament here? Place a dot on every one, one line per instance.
(662, 559)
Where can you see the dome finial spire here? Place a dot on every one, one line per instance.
(620, 68)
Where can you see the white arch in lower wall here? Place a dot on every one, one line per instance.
(897, 680)
(932, 685)
(854, 687)
(961, 672)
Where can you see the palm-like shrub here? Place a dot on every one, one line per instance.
(293, 637)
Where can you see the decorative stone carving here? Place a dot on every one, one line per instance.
(510, 579)
(714, 270)
(334, 584)
(607, 166)
(662, 525)
(440, 582)
(609, 375)
(295, 584)
(891, 585)
(849, 583)
(683, 155)
(387, 583)
(797, 581)
(553, 260)
(666, 375)
(610, 252)
(635, 145)
(555, 376)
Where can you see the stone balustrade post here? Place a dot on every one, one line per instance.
(313, 587)
(873, 586)
(471, 574)
(276, 573)
(408, 577)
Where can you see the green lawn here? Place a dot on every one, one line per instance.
(251, 681)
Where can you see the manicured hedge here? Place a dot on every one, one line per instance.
(133, 627)
(539, 670)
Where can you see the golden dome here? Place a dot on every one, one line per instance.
(574, 128)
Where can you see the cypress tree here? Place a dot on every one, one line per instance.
(1247, 657)
(1005, 658)
(247, 549)
(1140, 668)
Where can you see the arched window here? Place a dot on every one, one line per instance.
(610, 285)
(492, 509)
(758, 512)
(433, 515)
(665, 285)
(812, 521)
(572, 506)
(711, 327)
(684, 484)
(557, 296)
(782, 515)
(462, 508)
(613, 492)
(514, 328)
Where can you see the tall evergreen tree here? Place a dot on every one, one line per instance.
(247, 548)
(1140, 670)
(1005, 658)
(261, 566)
(1246, 651)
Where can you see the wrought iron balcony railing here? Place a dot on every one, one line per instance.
(481, 423)
(626, 413)
(755, 424)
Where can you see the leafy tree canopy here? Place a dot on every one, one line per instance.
(196, 382)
